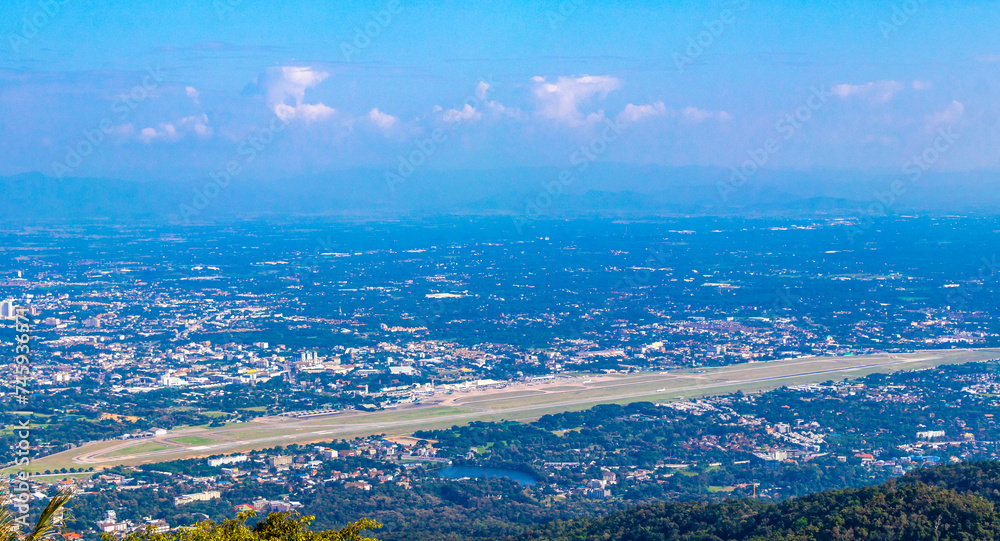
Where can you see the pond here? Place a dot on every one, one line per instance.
(455, 472)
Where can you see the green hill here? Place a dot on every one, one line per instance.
(945, 503)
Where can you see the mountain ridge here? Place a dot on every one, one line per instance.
(525, 193)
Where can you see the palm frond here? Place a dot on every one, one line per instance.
(47, 522)
(8, 530)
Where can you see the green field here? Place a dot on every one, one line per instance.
(9, 429)
(145, 447)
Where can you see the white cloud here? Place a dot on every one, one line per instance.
(198, 124)
(473, 113)
(192, 93)
(876, 91)
(632, 112)
(166, 132)
(174, 131)
(921, 85)
(382, 120)
(481, 89)
(306, 112)
(279, 84)
(561, 100)
(695, 114)
(467, 113)
(950, 115)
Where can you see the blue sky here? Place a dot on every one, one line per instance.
(175, 89)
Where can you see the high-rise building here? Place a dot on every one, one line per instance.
(7, 309)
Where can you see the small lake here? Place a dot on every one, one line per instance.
(455, 472)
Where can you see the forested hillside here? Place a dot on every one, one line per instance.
(946, 503)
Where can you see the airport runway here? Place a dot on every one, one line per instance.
(286, 430)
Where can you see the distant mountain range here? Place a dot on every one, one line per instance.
(526, 192)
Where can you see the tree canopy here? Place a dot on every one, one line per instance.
(277, 526)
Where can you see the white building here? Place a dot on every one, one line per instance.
(158, 525)
(7, 309)
(110, 523)
(197, 497)
(169, 380)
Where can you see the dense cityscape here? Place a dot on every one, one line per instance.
(137, 331)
